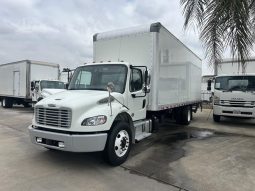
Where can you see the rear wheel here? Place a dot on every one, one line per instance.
(26, 105)
(118, 144)
(216, 118)
(7, 102)
(183, 115)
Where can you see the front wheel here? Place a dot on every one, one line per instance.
(118, 144)
(216, 118)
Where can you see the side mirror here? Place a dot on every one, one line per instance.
(110, 87)
(32, 86)
(146, 89)
(209, 85)
(147, 77)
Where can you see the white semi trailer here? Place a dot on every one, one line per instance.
(22, 82)
(138, 75)
(234, 92)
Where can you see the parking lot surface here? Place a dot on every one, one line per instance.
(203, 156)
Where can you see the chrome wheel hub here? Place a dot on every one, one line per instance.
(121, 144)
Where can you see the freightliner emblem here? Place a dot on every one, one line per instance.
(51, 105)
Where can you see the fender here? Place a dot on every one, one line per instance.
(124, 116)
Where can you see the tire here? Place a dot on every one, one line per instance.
(216, 118)
(26, 105)
(183, 115)
(118, 144)
(7, 103)
(155, 124)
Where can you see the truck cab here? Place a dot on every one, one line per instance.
(104, 103)
(43, 88)
(234, 96)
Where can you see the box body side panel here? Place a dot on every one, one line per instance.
(179, 79)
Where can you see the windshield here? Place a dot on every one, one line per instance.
(52, 85)
(96, 77)
(235, 83)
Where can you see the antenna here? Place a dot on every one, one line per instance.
(110, 87)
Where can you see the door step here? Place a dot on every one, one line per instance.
(141, 136)
(142, 129)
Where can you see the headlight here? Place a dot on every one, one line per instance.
(93, 121)
(216, 100)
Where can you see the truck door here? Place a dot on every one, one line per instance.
(16, 83)
(137, 99)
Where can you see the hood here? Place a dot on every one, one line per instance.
(47, 92)
(78, 98)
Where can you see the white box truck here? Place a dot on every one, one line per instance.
(23, 81)
(138, 75)
(234, 92)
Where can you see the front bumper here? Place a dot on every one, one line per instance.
(71, 142)
(234, 111)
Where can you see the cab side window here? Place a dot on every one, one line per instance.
(136, 82)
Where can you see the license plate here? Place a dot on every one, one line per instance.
(236, 112)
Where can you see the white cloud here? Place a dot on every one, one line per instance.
(61, 31)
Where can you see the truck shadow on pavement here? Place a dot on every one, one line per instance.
(150, 157)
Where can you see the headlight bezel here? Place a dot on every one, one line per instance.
(94, 121)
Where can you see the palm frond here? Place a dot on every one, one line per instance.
(212, 32)
(193, 10)
(240, 37)
(223, 23)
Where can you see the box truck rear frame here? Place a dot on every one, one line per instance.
(15, 85)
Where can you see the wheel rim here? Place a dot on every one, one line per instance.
(121, 144)
(189, 115)
(3, 102)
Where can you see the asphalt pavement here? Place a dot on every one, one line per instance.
(202, 156)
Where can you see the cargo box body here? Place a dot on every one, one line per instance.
(233, 67)
(175, 70)
(16, 77)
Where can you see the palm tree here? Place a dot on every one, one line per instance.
(222, 24)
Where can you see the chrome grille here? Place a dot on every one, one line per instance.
(234, 103)
(53, 117)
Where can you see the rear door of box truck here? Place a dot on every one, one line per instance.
(13, 78)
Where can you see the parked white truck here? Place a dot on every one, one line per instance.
(234, 92)
(138, 74)
(22, 82)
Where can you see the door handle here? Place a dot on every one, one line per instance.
(144, 103)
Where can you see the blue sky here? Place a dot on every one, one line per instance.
(61, 31)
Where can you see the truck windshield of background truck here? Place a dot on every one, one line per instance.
(235, 83)
(45, 84)
(96, 77)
